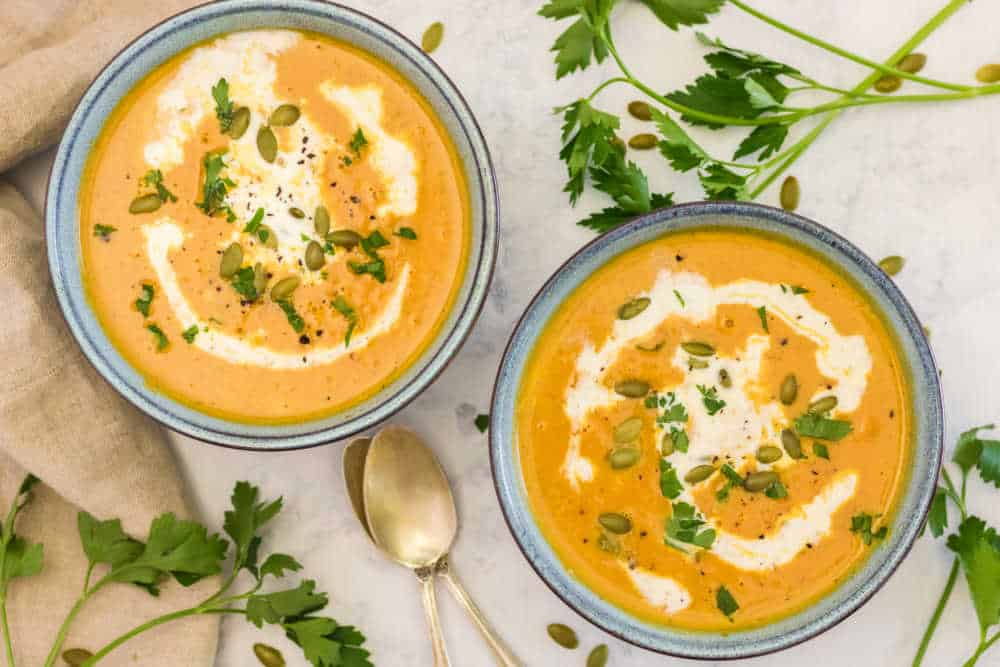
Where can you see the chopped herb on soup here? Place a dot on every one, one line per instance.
(145, 300)
(104, 232)
(190, 333)
(161, 338)
(215, 188)
(341, 306)
(710, 399)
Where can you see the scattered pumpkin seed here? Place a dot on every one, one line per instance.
(284, 116)
(699, 473)
(345, 238)
(632, 388)
(296, 212)
(768, 454)
(272, 238)
(790, 193)
(232, 260)
(756, 482)
(267, 144)
(321, 221)
(789, 389)
(633, 308)
(912, 63)
(640, 110)
(563, 635)
(268, 655)
(724, 379)
(608, 543)
(666, 445)
(889, 83)
(315, 257)
(619, 524)
(284, 288)
(259, 278)
(432, 37)
(241, 121)
(892, 264)
(790, 441)
(988, 73)
(823, 405)
(696, 363)
(642, 142)
(698, 348)
(145, 204)
(628, 430)
(623, 457)
(598, 656)
(76, 656)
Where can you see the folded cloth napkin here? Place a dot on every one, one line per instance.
(58, 418)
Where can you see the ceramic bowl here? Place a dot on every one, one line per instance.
(915, 498)
(158, 45)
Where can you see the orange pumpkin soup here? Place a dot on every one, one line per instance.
(713, 429)
(274, 225)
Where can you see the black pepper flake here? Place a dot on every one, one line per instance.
(310, 155)
(319, 333)
(355, 199)
(679, 258)
(304, 339)
(301, 162)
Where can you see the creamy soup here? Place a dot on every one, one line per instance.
(274, 225)
(713, 430)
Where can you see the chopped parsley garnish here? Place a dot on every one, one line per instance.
(161, 338)
(253, 226)
(672, 413)
(817, 426)
(104, 231)
(154, 179)
(776, 490)
(686, 526)
(861, 524)
(710, 397)
(358, 141)
(294, 319)
(373, 242)
(680, 298)
(733, 479)
(341, 306)
(482, 422)
(223, 105)
(216, 188)
(820, 450)
(190, 333)
(406, 233)
(679, 439)
(796, 289)
(143, 303)
(376, 266)
(762, 314)
(243, 283)
(725, 601)
(670, 485)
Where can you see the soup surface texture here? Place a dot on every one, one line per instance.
(273, 226)
(713, 429)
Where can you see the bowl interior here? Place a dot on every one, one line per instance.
(911, 508)
(158, 45)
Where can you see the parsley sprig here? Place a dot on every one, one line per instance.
(216, 187)
(341, 305)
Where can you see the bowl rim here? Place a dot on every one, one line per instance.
(890, 560)
(157, 405)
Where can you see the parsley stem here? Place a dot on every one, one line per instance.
(139, 629)
(936, 617)
(6, 631)
(617, 79)
(60, 639)
(984, 644)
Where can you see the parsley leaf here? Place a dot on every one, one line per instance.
(223, 105)
(710, 398)
(22, 559)
(294, 319)
(978, 548)
(575, 46)
(243, 282)
(190, 333)
(253, 225)
(105, 541)
(624, 182)
(776, 490)
(737, 62)
(325, 644)
(273, 607)
(162, 342)
(725, 601)
(144, 301)
(613, 216)
(989, 462)
(861, 524)
(721, 183)
(820, 450)
(104, 231)
(376, 266)
(244, 521)
(482, 422)
(762, 314)
(341, 306)
(680, 149)
(358, 141)
(766, 137)
(796, 289)
(717, 95)
(937, 518)
(680, 299)
(215, 188)
(670, 485)
(817, 426)
(675, 13)
(406, 233)
(587, 136)
(684, 526)
(277, 564)
(733, 479)
(154, 178)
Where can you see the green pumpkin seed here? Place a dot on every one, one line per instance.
(598, 657)
(889, 83)
(790, 194)
(619, 524)
(698, 348)
(790, 441)
(232, 260)
(988, 73)
(699, 474)
(315, 257)
(632, 388)
(823, 405)
(241, 121)
(145, 204)
(432, 37)
(268, 655)
(345, 238)
(912, 63)
(628, 430)
(756, 482)
(697, 363)
(608, 543)
(768, 454)
(666, 445)
(259, 278)
(284, 116)
(321, 221)
(284, 288)
(892, 264)
(642, 142)
(76, 656)
(623, 457)
(563, 635)
(633, 308)
(640, 110)
(789, 389)
(267, 144)
(724, 378)
(296, 213)
(272, 238)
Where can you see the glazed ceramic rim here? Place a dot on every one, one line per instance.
(477, 165)
(862, 584)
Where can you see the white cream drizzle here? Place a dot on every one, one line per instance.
(659, 591)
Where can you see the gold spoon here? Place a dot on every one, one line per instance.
(402, 498)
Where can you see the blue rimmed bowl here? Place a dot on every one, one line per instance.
(156, 46)
(912, 506)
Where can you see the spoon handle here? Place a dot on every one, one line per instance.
(504, 656)
(426, 577)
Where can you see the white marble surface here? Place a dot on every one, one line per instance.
(919, 181)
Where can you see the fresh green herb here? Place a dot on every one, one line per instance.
(18, 556)
(799, 290)
(190, 333)
(294, 319)
(725, 601)
(820, 450)
(686, 527)
(104, 231)
(162, 342)
(482, 422)
(253, 226)
(861, 524)
(937, 518)
(358, 141)
(670, 485)
(762, 314)
(733, 480)
(243, 283)
(817, 426)
(776, 490)
(679, 439)
(341, 306)
(216, 188)
(671, 413)
(680, 299)
(347, 160)
(145, 300)
(223, 105)
(406, 233)
(154, 179)
(711, 400)
(373, 242)
(376, 266)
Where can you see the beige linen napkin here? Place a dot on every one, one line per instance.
(58, 418)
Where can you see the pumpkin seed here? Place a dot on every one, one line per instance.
(598, 657)
(790, 441)
(623, 457)
(632, 388)
(345, 238)
(268, 655)
(666, 445)
(272, 238)
(699, 474)
(724, 378)
(988, 73)
(892, 264)
(145, 204)
(633, 308)
(432, 37)
(889, 83)
(76, 656)
(284, 288)
(321, 221)
(768, 454)
(259, 278)
(267, 144)
(642, 142)
(296, 212)
(789, 389)
(241, 121)
(790, 194)
(697, 363)
(823, 405)
(563, 635)
(628, 430)
(912, 63)
(698, 349)
(315, 257)
(608, 543)
(232, 259)
(619, 524)
(640, 110)
(284, 115)
(756, 482)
